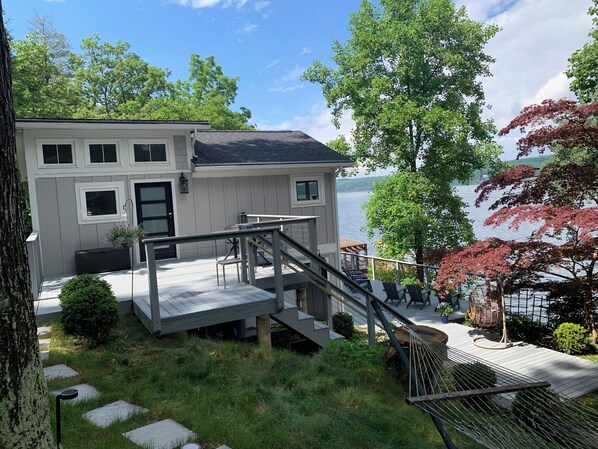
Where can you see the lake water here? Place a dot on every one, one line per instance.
(351, 217)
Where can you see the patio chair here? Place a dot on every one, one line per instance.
(453, 299)
(394, 292)
(417, 295)
(358, 277)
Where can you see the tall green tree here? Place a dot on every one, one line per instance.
(410, 76)
(114, 80)
(583, 64)
(24, 411)
(42, 73)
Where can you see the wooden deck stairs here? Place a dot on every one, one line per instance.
(305, 324)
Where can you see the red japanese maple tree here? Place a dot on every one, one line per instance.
(562, 198)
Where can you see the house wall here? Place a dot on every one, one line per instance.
(213, 202)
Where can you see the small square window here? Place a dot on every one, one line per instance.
(57, 153)
(103, 153)
(102, 202)
(307, 190)
(150, 152)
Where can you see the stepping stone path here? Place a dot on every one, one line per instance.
(86, 392)
(166, 434)
(56, 371)
(116, 411)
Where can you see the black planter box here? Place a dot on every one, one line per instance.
(102, 259)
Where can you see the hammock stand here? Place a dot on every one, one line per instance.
(487, 309)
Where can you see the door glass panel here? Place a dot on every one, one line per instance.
(153, 210)
(155, 225)
(152, 194)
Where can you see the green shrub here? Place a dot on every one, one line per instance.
(522, 327)
(571, 338)
(471, 376)
(89, 308)
(538, 409)
(342, 323)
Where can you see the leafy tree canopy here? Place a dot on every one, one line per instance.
(108, 80)
(410, 75)
(583, 64)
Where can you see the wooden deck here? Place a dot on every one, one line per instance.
(182, 309)
(569, 375)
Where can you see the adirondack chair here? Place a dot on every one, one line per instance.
(358, 277)
(453, 299)
(394, 292)
(417, 295)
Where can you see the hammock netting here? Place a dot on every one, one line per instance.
(534, 417)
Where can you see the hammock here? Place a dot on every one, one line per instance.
(494, 406)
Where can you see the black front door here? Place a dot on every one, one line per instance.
(155, 214)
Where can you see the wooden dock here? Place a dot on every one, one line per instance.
(569, 375)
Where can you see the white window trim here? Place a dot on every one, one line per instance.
(88, 163)
(308, 203)
(40, 153)
(82, 187)
(166, 142)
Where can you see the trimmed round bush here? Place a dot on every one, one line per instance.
(89, 308)
(342, 323)
(571, 338)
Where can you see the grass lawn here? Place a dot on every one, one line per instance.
(235, 394)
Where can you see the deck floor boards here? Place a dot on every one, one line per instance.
(569, 375)
(188, 289)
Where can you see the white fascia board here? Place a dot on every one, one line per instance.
(110, 126)
(212, 171)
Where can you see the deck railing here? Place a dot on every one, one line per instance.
(300, 228)
(34, 256)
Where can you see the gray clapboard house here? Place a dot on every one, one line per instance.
(175, 178)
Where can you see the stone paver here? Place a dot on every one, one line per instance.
(56, 371)
(109, 413)
(42, 330)
(86, 392)
(44, 344)
(224, 446)
(166, 434)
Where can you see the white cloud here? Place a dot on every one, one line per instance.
(305, 51)
(248, 29)
(285, 89)
(318, 124)
(273, 63)
(259, 5)
(294, 74)
(197, 4)
(556, 87)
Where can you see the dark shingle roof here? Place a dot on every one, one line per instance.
(262, 148)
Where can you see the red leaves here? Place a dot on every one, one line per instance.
(570, 127)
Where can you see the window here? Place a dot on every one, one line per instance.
(103, 153)
(307, 191)
(100, 202)
(150, 152)
(57, 153)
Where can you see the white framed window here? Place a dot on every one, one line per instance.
(152, 151)
(100, 202)
(307, 191)
(56, 153)
(102, 152)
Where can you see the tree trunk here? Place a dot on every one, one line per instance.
(24, 410)
(590, 313)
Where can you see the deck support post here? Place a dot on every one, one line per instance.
(371, 322)
(264, 334)
(302, 299)
(278, 281)
(153, 288)
(244, 268)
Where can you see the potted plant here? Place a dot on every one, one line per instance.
(445, 310)
(124, 235)
(121, 238)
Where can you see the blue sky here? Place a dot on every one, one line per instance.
(268, 44)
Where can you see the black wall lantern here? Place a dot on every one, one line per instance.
(183, 183)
